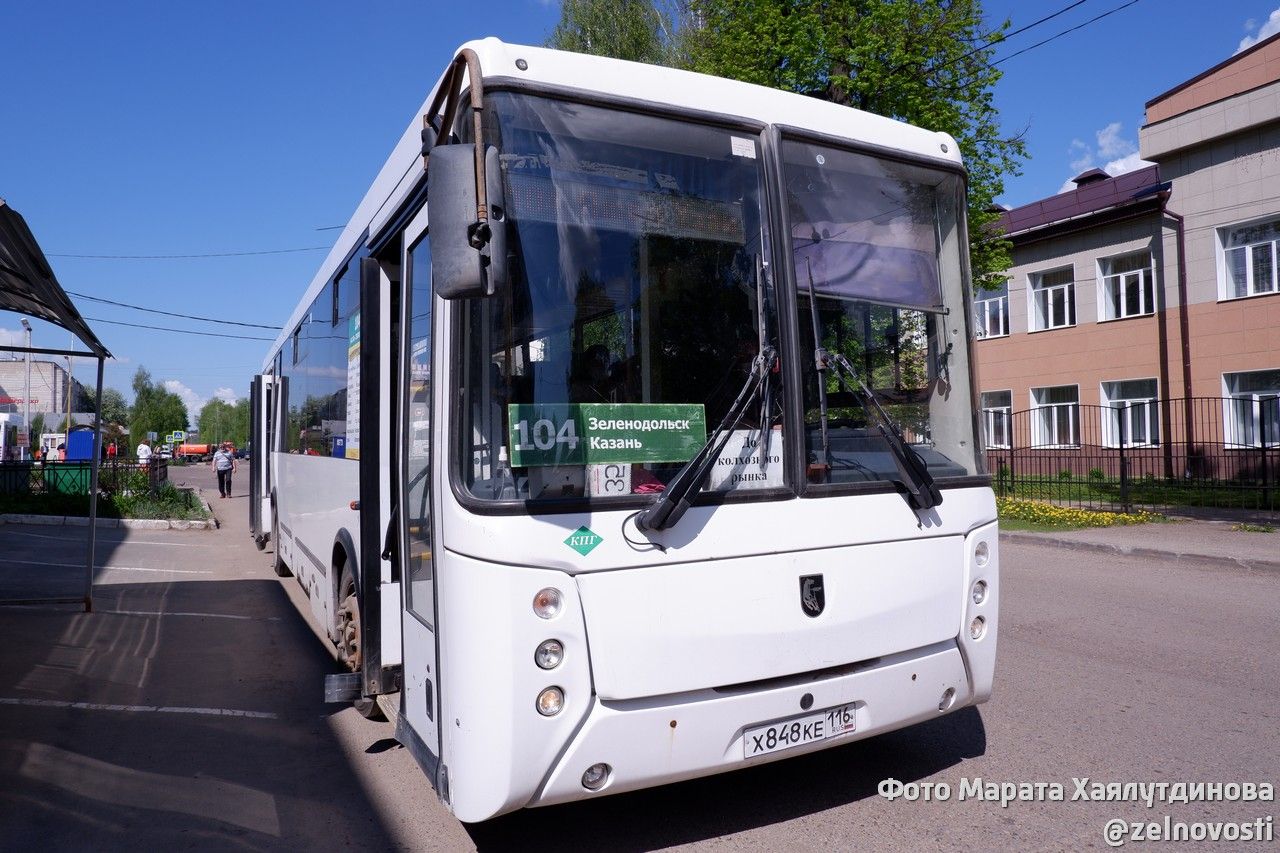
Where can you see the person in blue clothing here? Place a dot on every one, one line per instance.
(224, 462)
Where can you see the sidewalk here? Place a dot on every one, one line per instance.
(1185, 539)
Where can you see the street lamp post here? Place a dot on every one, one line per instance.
(26, 394)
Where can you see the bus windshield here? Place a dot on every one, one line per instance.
(875, 250)
(640, 294)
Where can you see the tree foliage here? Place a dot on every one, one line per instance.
(638, 30)
(114, 409)
(221, 421)
(926, 62)
(155, 408)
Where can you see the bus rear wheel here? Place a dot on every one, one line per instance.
(349, 640)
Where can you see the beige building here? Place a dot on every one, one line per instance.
(48, 386)
(1147, 306)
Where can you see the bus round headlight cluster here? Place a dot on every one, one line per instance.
(547, 602)
(550, 701)
(977, 627)
(981, 554)
(549, 654)
(979, 592)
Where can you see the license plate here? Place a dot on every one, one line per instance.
(798, 731)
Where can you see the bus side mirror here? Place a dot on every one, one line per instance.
(467, 258)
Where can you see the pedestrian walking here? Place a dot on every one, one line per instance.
(144, 452)
(224, 462)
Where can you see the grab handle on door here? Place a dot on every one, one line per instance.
(388, 544)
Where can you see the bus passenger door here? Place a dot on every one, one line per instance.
(260, 411)
(419, 725)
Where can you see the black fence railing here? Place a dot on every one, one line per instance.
(74, 478)
(1149, 454)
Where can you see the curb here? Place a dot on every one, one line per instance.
(130, 523)
(1149, 553)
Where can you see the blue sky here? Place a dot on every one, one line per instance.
(161, 128)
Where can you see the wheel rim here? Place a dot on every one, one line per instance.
(350, 633)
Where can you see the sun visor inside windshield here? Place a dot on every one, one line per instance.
(875, 272)
(603, 204)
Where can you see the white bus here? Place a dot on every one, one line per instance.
(628, 433)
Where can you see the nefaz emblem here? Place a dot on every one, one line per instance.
(812, 599)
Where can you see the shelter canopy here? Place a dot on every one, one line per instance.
(28, 285)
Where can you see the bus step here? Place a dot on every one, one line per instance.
(342, 687)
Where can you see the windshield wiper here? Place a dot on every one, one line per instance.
(913, 471)
(686, 484)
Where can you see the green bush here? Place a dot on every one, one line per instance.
(1065, 474)
(1096, 474)
(169, 502)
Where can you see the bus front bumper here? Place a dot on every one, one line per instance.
(663, 739)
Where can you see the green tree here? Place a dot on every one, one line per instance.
(155, 408)
(35, 430)
(222, 421)
(114, 409)
(927, 62)
(638, 30)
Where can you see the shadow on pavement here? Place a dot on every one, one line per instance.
(741, 800)
(202, 727)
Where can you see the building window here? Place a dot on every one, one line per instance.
(1252, 412)
(996, 415)
(1248, 260)
(1130, 411)
(1128, 289)
(991, 312)
(1055, 416)
(1053, 299)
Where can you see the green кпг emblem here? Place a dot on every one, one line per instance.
(583, 541)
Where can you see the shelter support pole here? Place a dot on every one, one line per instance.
(94, 464)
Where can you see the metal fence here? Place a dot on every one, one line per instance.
(73, 478)
(1146, 454)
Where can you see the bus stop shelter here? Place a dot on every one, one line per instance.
(28, 286)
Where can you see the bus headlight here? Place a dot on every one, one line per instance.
(547, 602)
(549, 654)
(981, 554)
(979, 592)
(977, 627)
(550, 701)
(595, 776)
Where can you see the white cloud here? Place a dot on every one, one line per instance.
(226, 395)
(1119, 152)
(193, 401)
(1128, 163)
(1268, 29)
(1083, 156)
(1111, 143)
(12, 338)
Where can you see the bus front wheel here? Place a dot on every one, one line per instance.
(349, 640)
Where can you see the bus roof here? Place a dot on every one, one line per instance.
(617, 78)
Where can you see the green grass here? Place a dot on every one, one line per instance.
(1246, 527)
(1017, 524)
(1153, 492)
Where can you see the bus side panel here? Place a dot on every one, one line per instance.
(497, 747)
(313, 499)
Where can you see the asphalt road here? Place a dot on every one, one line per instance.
(197, 721)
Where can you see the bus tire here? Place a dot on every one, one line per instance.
(277, 564)
(349, 640)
